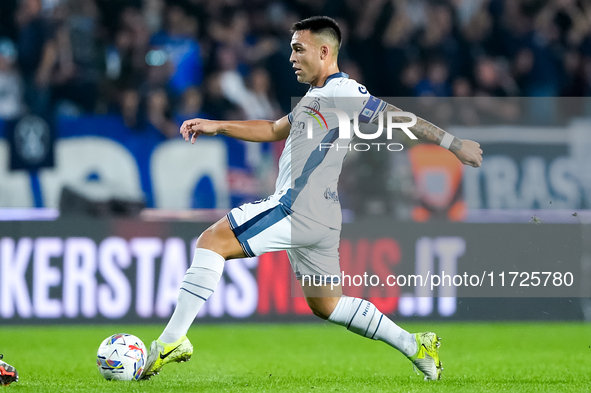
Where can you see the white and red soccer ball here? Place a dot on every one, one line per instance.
(121, 357)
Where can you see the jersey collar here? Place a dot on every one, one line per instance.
(335, 75)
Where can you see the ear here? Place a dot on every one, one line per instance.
(324, 52)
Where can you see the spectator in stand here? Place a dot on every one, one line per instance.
(478, 38)
(261, 104)
(492, 80)
(368, 21)
(179, 42)
(130, 108)
(411, 75)
(231, 80)
(536, 67)
(436, 83)
(234, 32)
(34, 33)
(159, 113)
(11, 86)
(153, 12)
(215, 102)
(465, 112)
(75, 74)
(439, 39)
(275, 62)
(573, 84)
(191, 106)
(397, 43)
(493, 91)
(125, 56)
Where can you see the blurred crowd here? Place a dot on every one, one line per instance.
(163, 61)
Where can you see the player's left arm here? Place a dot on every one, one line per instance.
(467, 151)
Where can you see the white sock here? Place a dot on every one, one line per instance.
(198, 284)
(363, 318)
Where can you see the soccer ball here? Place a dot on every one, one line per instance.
(121, 357)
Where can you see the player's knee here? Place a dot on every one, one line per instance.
(322, 307)
(211, 239)
(206, 238)
(320, 313)
(220, 239)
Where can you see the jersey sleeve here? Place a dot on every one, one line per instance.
(353, 97)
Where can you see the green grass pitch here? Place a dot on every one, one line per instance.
(477, 357)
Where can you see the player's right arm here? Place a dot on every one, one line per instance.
(248, 130)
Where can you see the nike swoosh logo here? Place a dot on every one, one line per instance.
(164, 355)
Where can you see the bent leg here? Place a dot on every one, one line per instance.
(261, 226)
(358, 316)
(322, 300)
(220, 239)
(362, 317)
(216, 245)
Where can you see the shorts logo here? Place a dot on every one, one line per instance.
(330, 195)
(261, 200)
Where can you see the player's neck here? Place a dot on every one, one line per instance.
(324, 76)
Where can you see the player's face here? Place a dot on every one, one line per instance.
(305, 56)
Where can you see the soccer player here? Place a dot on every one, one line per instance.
(8, 373)
(303, 216)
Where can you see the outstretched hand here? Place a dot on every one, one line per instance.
(191, 129)
(470, 153)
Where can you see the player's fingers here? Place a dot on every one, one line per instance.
(194, 137)
(188, 126)
(185, 126)
(475, 162)
(185, 134)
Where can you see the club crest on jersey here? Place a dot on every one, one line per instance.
(313, 109)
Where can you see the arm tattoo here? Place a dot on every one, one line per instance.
(428, 131)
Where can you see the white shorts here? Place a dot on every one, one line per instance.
(268, 225)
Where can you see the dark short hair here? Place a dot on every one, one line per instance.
(319, 25)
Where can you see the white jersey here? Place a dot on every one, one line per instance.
(309, 171)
